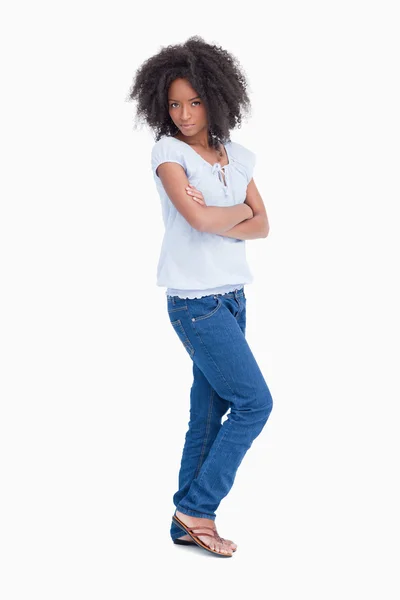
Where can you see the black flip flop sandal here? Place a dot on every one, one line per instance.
(183, 542)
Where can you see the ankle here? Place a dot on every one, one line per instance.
(191, 517)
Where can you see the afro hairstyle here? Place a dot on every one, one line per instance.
(214, 73)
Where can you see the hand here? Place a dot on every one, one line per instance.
(195, 194)
(250, 210)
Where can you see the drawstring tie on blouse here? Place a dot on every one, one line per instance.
(220, 174)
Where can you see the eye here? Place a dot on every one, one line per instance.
(194, 102)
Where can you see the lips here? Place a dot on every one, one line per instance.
(188, 125)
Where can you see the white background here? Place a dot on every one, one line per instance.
(94, 381)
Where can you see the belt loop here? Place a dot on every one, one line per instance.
(173, 300)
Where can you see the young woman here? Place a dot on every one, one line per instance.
(191, 95)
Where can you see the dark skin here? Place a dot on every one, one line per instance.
(186, 106)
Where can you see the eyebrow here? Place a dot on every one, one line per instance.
(190, 99)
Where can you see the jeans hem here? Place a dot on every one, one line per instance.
(194, 513)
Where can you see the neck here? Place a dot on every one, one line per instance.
(199, 139)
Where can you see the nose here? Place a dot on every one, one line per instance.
(185, 115)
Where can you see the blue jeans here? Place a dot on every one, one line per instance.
(225, 376)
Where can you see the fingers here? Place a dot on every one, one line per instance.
(195, 194)
(191, 189)
(199, 200)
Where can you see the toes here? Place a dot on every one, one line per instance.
(223, 549)
(217, 546)
(230, 544)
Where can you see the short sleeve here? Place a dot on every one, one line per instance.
(166, 150)
(245, 160)
(251, 161)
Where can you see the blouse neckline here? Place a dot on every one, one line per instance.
(203, 159)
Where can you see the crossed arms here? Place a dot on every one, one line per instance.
(246, 221)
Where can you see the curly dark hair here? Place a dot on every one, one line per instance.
(213, 72)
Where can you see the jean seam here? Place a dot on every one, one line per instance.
(207, 433)
(186, 341)
(195, 319)
(240, 308)
(170, 310)
(196, 513)
(226, 425)
(210, 357)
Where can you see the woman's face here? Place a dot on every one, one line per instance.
(186, 107)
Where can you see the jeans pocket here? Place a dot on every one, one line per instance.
(181, 333)
(203, 308)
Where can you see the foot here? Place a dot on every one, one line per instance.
(219, 545)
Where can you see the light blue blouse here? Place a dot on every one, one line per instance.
(193, 264)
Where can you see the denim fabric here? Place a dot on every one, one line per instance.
(225, 376)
